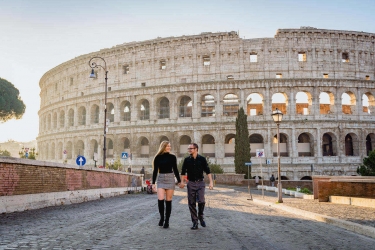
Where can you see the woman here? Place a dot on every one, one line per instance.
(165, 164)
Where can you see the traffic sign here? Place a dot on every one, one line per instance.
(81, 160)
(124, 155)
(260, 153)
(248, 163)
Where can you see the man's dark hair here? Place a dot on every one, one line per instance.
(195, 145)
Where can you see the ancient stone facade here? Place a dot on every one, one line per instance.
(189, 88)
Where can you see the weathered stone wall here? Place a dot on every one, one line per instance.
(71, 113)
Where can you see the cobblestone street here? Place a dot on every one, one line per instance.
(130, 222)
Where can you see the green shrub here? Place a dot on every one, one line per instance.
(305, 191)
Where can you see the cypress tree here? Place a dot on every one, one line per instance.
(242, 145)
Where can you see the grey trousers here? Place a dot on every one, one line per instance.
(195, 193)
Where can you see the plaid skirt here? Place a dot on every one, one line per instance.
(166, 181)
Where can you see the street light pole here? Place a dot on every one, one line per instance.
(277, 116)
(280, 194)
(92, 75)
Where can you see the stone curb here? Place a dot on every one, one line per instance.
(351, 226)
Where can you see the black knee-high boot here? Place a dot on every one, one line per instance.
(168, 210)
(161, 212)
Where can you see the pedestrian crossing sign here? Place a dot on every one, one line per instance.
(124, 155)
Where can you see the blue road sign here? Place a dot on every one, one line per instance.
(81, 160)
(248, 163)
(124, 155)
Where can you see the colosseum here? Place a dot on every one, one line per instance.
(189, 89)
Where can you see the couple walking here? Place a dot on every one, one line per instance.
(165, 169)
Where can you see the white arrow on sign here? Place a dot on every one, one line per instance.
(80, 161)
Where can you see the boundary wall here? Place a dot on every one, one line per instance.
(353, 186)
(29, 184)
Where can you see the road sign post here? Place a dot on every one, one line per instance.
(260, 154)
(248, 164)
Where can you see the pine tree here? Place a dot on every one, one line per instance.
(242, 145)
(368, 166)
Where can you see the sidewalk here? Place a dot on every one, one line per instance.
(357, 219)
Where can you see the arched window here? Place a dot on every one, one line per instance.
(184, 144)
(110, 112)
(125, 111)
(62, 119)
(164, 108)
(144, 110)
(208, 106)
(208, 146)
(185, 107)
(231, 105)
(94, 114)
(229, 145)
(110, 148)
(71, 117)
(82, 116)
(145, 148)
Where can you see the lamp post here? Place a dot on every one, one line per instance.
(277, 116)
(92, 75)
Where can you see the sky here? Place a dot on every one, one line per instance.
(38, 35)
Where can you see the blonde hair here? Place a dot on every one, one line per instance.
(161, 150)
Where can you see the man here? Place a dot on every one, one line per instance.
(194, 166)
(143, 170)
(272, 179)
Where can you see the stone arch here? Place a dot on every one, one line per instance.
(145, 147)
(110, 112)
(351, 145)
(305, 178)
(110, 147)
(370, 143)
(229, 145)
(54, 119)
(47, 151)
(368, 103)
(94, 148)
(348, 103)
(305, 145)
(303, 103)
(69, 149)
(94, 114)
(53, 151)
(326, 102)
(185, 141)
(144, 110)
(283, 145)
(231, 104)
(60, 150)
(208, 106)
(254, 104)
(280, 101)
(62, 119)
(164, 109)
(71, 117)
(82, 115)
(185, 107)
(208, 145)
(49, 122)
(256, 142)
(79, 148)
(163, 138)
(329, 144)
(125, 111)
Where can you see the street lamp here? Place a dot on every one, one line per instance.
(277, 116)
(92, 75)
